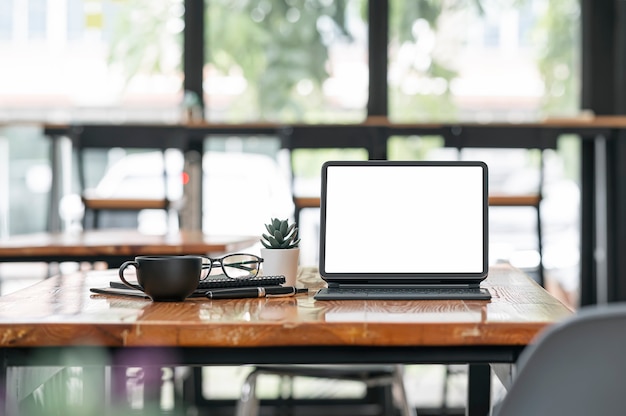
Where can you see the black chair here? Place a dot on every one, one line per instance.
(372, 375)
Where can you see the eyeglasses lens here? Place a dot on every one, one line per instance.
(241, 266)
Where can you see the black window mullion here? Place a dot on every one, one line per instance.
(193, 48)
(378, 27)
(598, 56)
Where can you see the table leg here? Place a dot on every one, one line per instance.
(191, 212)
(118, 388)
(478, 390)
(505, 373)
(57, 185)
(5, 399)
(4, 187)
(152, 382)
(601, 222)
(95, 389)
(588, 219)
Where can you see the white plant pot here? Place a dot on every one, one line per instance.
(281, 261)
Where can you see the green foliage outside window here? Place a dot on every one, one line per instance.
(281, 45)
(558, 34)
(277, 45)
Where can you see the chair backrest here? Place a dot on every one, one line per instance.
(576, 367)
(104, 194)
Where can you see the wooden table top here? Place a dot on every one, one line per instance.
(118, 242)
(608, 121)
(61, 311)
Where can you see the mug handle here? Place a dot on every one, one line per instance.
(121, 273)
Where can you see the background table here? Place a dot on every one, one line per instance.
(115, 246)
(603, 141)
(60, 315)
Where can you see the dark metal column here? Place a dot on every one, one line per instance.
(620, 57)
(617, 152)
(616, 216)
(378, 14)
(193, 49)
(603, 265)
(377, 105)
(587, 238)
(193, 63)
(56, 187)
(598, 55)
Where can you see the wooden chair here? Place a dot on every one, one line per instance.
(533, 137)
(531, 199)
(97, 201)
(325, 137)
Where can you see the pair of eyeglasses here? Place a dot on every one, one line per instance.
(235, 266)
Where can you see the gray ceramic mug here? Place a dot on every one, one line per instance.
(165, 278)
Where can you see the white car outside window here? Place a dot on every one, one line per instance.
(241, 191)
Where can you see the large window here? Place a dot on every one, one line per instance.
(484, 61)
(286, 61)
(91, 60)
(289, 60)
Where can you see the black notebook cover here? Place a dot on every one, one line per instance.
(221, 281)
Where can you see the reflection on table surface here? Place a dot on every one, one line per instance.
(62, 311)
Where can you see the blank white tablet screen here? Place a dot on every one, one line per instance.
(404, 219)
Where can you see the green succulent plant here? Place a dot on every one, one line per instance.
(281, 234)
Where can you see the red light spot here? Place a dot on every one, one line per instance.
(185, 178)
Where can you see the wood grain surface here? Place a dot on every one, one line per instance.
(61, 311)
(501, 200)
(120, 242)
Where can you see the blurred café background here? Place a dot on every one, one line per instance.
(298, 61)
(287, 63)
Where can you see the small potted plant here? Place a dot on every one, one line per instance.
(281, 250)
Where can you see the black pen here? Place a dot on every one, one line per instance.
(254, 292)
